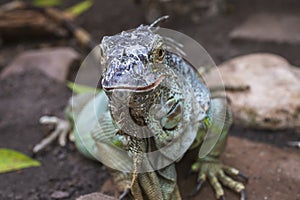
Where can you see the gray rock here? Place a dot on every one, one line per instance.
(95, 196)
(273, 100)
(54, 62)
(60, 195)
(269, 28)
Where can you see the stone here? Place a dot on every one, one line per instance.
(272, 102)
(95, 196)
(60, 195)
(279, 28)
(54, 62)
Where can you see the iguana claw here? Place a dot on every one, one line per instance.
(243, 195)
(243, 176)
(62, 128)
(198, 188)
(124, 194)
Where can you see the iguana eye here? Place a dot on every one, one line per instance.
(159, 54)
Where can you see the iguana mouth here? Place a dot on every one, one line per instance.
(136, 88)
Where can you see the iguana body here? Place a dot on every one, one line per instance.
(152, 101)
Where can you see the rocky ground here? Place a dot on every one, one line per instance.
(263, 155)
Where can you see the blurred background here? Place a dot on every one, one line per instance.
(256, 43)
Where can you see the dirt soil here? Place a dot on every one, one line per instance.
(272, 167)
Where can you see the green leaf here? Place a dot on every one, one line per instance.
(79, 89)
(46, 3)
(11, 160)
(79, 8)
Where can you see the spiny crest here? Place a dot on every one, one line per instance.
(142, 36)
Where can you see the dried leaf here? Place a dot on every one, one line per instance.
(11, 160)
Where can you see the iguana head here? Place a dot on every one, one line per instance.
(132, 60)
(137, 76)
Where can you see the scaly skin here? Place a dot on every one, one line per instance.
(147, 84)
(148, 185)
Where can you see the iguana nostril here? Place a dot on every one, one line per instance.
(141, 57)
(128, 67)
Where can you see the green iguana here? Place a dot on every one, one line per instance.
(152, 108)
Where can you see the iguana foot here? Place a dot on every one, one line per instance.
(62, 128)
(218, 174)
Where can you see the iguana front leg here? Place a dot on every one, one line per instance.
(63, 128)
(211, 168)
